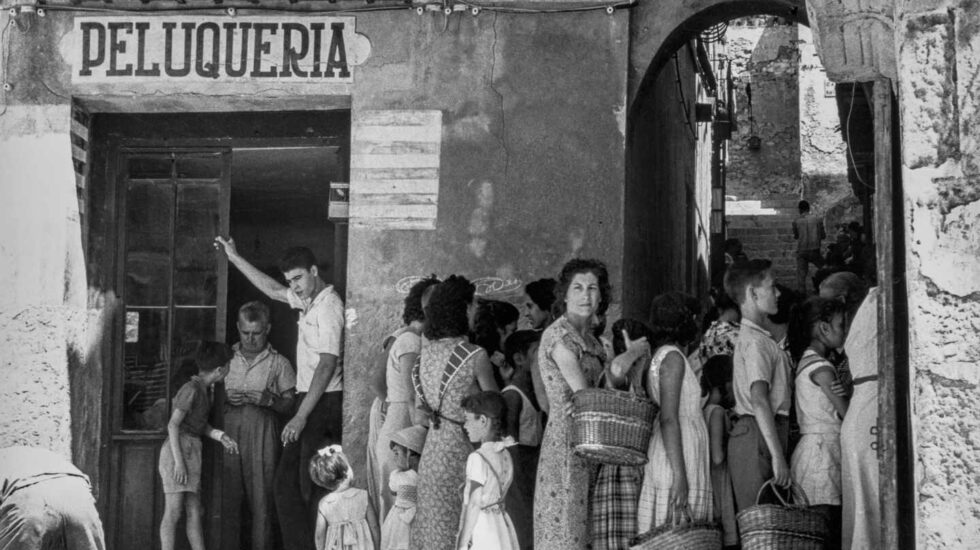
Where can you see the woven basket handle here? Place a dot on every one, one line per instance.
(797, 494)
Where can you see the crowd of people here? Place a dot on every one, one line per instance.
(470, 430)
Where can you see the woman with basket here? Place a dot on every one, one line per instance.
(570, 359)
(677, 480)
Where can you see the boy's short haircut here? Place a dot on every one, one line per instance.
(803, 206)
(254, 311)
(298, 257)
(211, 355)
(520, 342)
(742, 275)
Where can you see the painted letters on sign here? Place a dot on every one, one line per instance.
(209, 49)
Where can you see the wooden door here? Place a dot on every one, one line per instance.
(172, 282)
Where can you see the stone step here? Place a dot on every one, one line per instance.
(762, 232)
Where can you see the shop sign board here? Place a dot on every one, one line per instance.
(209, 49)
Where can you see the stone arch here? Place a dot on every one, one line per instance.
(666, 225)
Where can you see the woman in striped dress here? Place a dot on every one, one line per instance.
(678, 476)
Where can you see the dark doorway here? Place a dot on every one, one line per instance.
(162, 186)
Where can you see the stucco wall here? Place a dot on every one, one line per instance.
(42, 299)
(532, 158)
(939, 53)
(667, 192)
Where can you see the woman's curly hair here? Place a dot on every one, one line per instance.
(413, 302)
(671, 320)
(445, 315)
(569, 271)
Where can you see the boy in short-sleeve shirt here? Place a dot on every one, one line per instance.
(760, 383)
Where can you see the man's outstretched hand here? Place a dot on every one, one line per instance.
(226, 245)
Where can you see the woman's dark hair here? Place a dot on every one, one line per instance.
(489, 404)
(804, 319)
(569, 271)
(671, 321)
(784, 303)
(492, 316)
(413, 302)
(716, 373)
(542, 293)
(520, 342)
(636, 330)
(446, 313)
(721, 302)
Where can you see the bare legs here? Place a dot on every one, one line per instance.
(174, 505)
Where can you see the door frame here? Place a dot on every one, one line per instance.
(113, 131)
(119, 149)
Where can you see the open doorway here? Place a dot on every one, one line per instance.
(279, 199)
(163, 185)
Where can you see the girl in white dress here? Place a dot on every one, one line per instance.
(406, 446)
(816, 329)
(343, 518)
(484, 523)
(677, 478)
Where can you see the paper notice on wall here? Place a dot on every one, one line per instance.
(395, 169)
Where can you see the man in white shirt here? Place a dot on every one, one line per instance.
(317, 420)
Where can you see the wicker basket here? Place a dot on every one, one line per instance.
(678, 535)
(782, 526)
(612, 427)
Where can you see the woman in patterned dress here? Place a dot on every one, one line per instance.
(677, 477)
(570, 359)
(449, 369)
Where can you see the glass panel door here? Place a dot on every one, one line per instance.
(173, 279)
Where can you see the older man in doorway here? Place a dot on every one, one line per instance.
(260, 385)
(317, 420)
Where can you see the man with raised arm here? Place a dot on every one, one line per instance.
(317, 419)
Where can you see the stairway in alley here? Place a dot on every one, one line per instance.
(765, 228)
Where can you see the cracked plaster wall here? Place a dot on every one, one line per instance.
(938, 86)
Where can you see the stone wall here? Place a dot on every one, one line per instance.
(823, 151)
(940, 104)
(765, 57)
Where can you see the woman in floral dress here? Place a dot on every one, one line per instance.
(570, 359)
(448, 369)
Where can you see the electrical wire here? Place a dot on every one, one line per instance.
(683, 100)
(847, 131)
(623, 4)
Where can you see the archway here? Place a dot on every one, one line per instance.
(667, 214)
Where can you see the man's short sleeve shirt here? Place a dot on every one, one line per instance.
(758, 357)
(268, 371)
(321, 330)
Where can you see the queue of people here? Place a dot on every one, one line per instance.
(470, 432)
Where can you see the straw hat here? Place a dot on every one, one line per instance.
(412, 438)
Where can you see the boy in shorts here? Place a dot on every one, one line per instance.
(180, 457)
